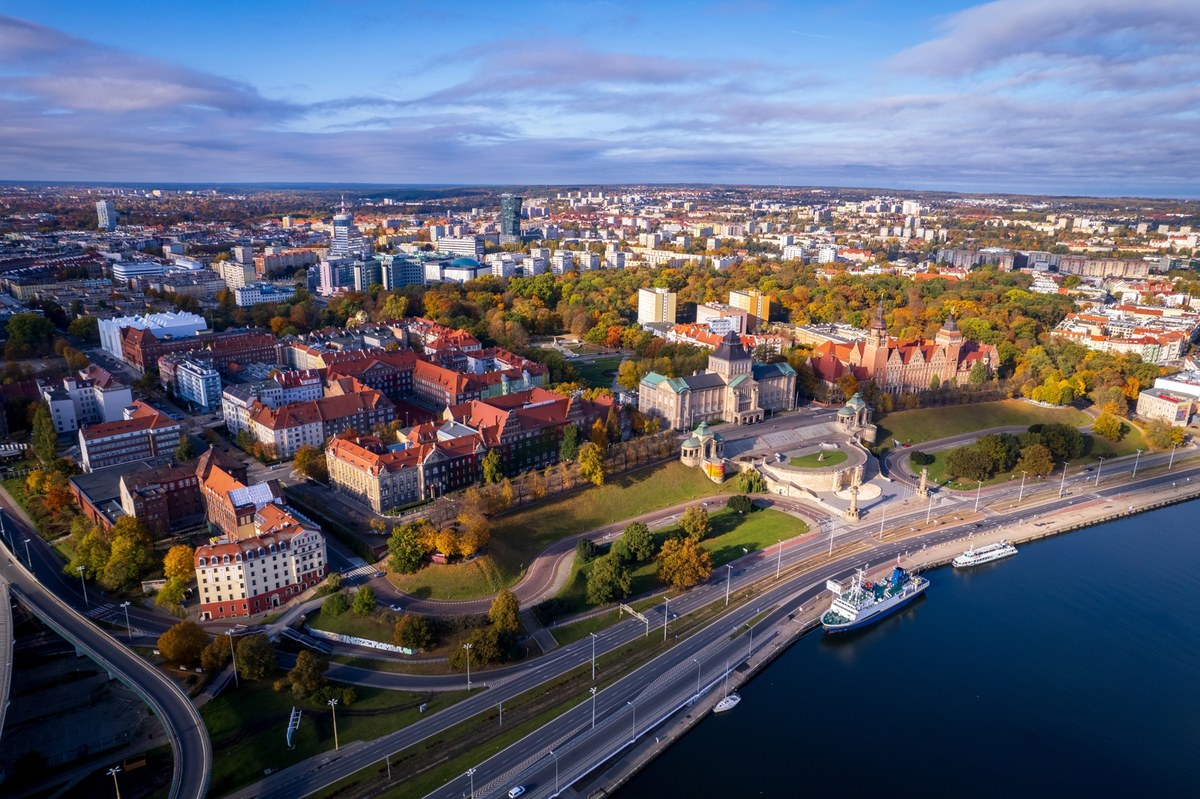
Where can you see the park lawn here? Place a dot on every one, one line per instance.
(1128, 444)
(600, 372)
(811, 460)
(927, 424)
(518, 537)
(377, 626)
(570, 633)
(247, 726)
(729, 536)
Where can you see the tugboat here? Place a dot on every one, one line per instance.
(863, 602)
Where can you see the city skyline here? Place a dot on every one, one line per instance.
(1082, 97)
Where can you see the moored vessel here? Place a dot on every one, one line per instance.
(863, 602)
(985, 554)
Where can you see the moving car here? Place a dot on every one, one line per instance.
(515, 792)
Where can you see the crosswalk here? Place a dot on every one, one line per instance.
(113, 614)
(101, 611)
(358, 568)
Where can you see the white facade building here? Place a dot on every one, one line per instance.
(656, 305)
(172, 323)
(199, 383)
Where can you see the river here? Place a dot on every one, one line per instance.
(1070, 669)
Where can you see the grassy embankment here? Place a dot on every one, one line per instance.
(813, 459)
(518, 537)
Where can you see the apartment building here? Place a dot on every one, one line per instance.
(91, 397)
(142, 432)
(289, 427)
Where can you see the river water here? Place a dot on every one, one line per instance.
(1070, 669)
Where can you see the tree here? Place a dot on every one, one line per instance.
(487, 646)
(179, 562)
(336, 604)
(255, 657)
(979, 374)
(311, 463)
(608, 580)
(969, 463)
(184, 451)
(1036, 459)
(214, 656)
(412, 632)
(393, 308)
(599, 435)
(1107, 426)
(638, 541)
(591, 463)
(476, 530)
(682, 563)
(86, 328)
(612, 425)
(505, 612)
(405, 552)
(129, 556)
(1163, 435)
(183, 643)
(364, 601)
(569, 447)
(629, 374)
(171, 596)
(695, 522)
(585, 550)
(45, 438)
(1000, 448)
(308, 675)
(918, 458)
(537, 485)
(740, 503)
(1064, 441)
(751, 482)
(92, 554)
(492, 473)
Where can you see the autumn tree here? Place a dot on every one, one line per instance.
(683, 563)
(130, 554)
(1107, 426)
(608, 580)
(505, 612)
(591, 463)
(183, 643)
(599, 435)
(476, 530)
(695, 522)
(214, 656)
(179, 562)
(1035, 459)
(308, 675)
(412, 632)
(492, 473)
(537, 485)
(311, 463)
(1161, 434)
(184, 452)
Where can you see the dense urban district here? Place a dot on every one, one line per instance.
(435, 491)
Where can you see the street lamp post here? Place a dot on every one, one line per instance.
(593, 689)
(113, 772)
(1021, 494)
(1098, 468)
(555, 771)
(593, 657)
(128, 628)
(634, 735)
(333, 707)
(728, 580)
(978, 492)
(666, 616)
(697, 662)
(1171, 462)
(779, 559)
(471, 776)
(467, 646)
(28, 557)
(832, 530)
(1062, 487)
(882, 516)
(1135, 464)
(83, 585)
(929, 509)
(233, 654)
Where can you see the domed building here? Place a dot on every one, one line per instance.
(855, 418)
(733, 388)
(706, 450)
(460, 270)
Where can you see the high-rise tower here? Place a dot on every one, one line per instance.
(106, 215)
(510, 215)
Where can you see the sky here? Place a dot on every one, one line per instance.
(1031, 96)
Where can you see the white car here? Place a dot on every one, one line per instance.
(515, 792)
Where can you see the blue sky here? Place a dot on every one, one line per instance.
(1054, 96)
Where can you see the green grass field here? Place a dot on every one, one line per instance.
(927, 424)
(377, 626)
(813, 460)
(730, 536)
(247, 726)
(599, 372)
(518, 537)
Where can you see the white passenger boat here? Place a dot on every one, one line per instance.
(984, 554)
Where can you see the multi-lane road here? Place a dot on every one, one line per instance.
(181, 720)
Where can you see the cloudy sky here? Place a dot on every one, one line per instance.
(1055, 96)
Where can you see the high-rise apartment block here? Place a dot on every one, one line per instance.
(106, 215)
(756, 305)
(656, 305)
(510, 215)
